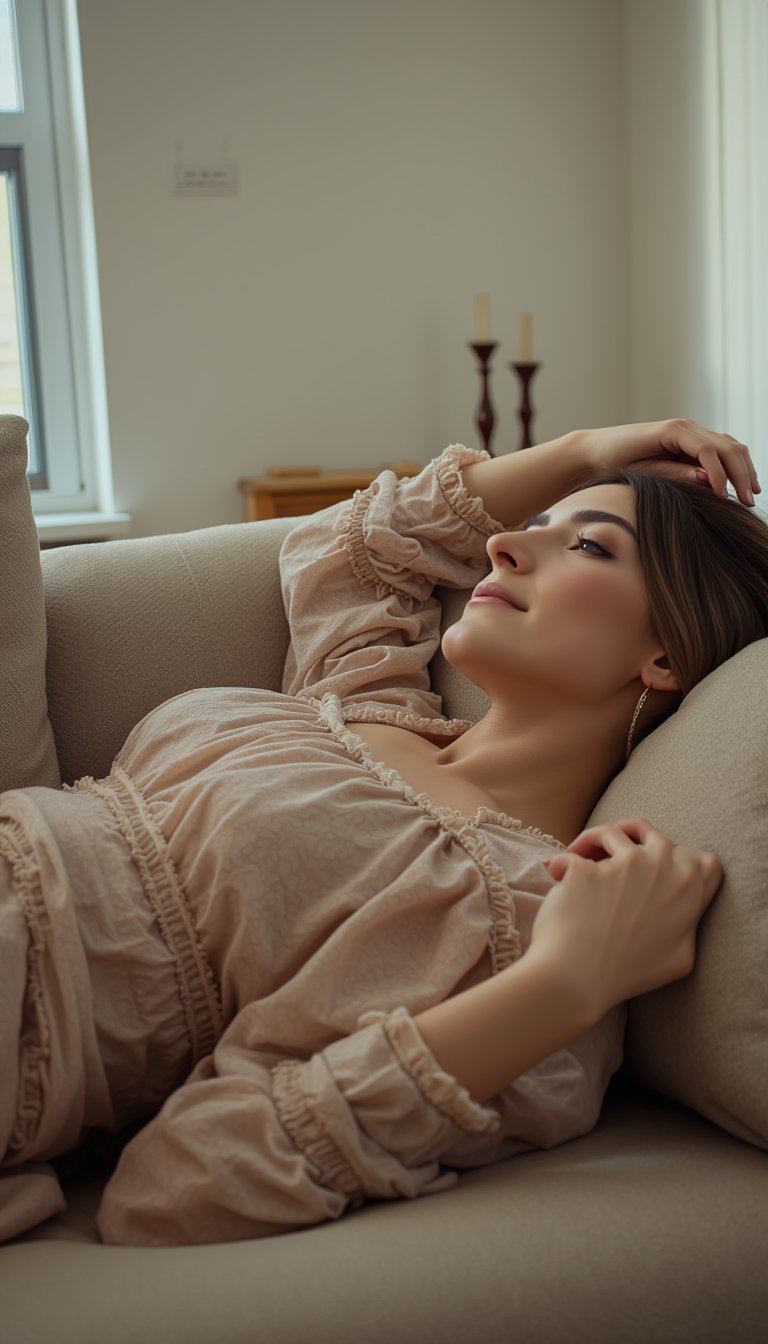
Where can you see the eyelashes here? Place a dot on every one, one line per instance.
(598, 549)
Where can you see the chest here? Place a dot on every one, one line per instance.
(416, 760)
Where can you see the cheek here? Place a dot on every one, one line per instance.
(600, 595)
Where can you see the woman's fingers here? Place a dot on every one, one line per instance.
(713, 875)
(618, 839)
(598, 842)
(603, 842)
(559, 864)
(723, 458)
(748, 463)
(715, 471)
(730, 464)
(626, 926)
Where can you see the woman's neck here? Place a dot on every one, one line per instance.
(547, 771)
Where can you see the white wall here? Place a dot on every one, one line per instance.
(697, 106)
(675, 310)
(394, 160)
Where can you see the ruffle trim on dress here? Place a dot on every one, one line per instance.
(504, 942)
(35, 1043)
(406, 718)
(444, 1091)
(487, 814)
(350, 534)
(403, 718)
(468, 507)
(198, 991)
(306, 1131)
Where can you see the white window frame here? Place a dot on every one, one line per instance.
(51, 130)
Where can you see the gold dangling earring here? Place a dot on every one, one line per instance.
(638, 707)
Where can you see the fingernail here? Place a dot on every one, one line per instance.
(750, 496)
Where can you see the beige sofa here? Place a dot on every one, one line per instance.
(654, 1227)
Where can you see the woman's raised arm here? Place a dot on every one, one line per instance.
(358, 578)
(521, 484)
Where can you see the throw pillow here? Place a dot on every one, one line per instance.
(701, 778)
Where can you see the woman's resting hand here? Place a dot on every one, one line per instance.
(679, 449)
(621, 919)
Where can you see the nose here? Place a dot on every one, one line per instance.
(510, 550)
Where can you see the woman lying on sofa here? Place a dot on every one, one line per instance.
(312, 948)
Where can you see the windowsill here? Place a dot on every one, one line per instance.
(93, 526)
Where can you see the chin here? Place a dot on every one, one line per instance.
(462, 651)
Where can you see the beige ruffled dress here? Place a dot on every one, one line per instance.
(220, 947)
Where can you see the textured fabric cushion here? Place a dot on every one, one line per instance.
(132, 623)
(701, 777)
(27, 751)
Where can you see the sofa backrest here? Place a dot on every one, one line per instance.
(132, 623)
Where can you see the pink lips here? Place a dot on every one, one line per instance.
(494, 592)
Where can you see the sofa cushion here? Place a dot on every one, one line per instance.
(27, 751)
(613, 1238)
(701, 778)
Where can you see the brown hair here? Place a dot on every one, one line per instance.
(705, 565)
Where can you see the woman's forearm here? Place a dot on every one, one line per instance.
(523, 483)
(488, 1035)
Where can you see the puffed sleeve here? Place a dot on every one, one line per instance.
(358, 579)
(252, 1145)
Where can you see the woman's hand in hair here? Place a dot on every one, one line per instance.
(621, 919)
(676, 448)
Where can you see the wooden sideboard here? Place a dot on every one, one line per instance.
(288, 491)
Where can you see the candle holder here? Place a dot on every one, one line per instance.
(485, 418)
(525, 374)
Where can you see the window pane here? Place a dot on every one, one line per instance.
(16, 358)
(9, 85)
(11, 395)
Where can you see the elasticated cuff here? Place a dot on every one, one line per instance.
(438, 1087)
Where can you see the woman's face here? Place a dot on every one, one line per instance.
(582, 623)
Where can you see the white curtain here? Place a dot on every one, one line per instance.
(741, 45)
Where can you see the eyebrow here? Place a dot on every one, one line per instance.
(584, 516)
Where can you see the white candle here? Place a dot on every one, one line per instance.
(482, 318)
(525, 339)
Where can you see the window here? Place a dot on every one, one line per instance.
(51, 361)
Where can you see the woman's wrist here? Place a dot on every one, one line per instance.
(519, 484)
(580, 447)
(488, 1035)
(577, 991)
